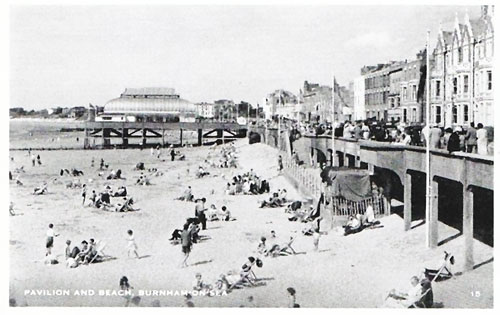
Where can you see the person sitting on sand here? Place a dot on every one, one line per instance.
(221, 285)
(121, 192)
(11, 209)
(80, 258)
(400, 299)
(353, 226)
(225, 215)
(443, 268)
(40, 190)
(187, 195)
(91, 252)
(262, 247)
(282, 196)
(246, 274)
(199, 285)
(273, 202)
(201, 172)
(212, 213)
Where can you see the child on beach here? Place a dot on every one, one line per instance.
(132, 246)
(291, 298)
(50, 239)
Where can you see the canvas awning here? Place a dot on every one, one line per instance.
(349, 183)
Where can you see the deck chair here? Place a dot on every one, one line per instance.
(100, 246)
(443, 270)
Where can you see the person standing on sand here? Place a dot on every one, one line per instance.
(199, 212)
(92, 163)
(292, 303)
(132, 246)
(50, 239)
(280, 163)
(38, 159)
(84, 193)
(33, 159)
(186, 244)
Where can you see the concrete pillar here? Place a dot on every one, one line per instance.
(357, 162)
(407, 202)
(163, 138)
(180, 137)
(346, 160)
(371, 168)
(200, 137)
(432, 217)
(468, 228)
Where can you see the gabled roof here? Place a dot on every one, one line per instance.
(480, 26)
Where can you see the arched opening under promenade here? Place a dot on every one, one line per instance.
(483, 214)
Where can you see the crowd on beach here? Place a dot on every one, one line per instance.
(194, 229)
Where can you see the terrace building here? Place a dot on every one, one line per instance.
(462, 72)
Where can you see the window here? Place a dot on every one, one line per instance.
(438, 88)
(455, 85)
(404, 115)
(454, 112)
(413, 92)
(460, 55)
(404, 94)
(489, 77)
(466, 83)
(414, 114)
(438, 114)
(466, 113)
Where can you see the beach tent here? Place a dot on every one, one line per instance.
(349, 183)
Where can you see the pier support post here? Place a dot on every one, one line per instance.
(163, 138)
(125, 137)
(86, 140)
(200, 137)
(106, 142)
(180, 136)
(407, 202)
(468, 228)
(432, 217)
(144, 141)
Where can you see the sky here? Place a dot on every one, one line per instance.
(76, 55)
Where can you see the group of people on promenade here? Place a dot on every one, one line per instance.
(475, 138)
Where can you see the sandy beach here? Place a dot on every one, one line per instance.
(347, 271)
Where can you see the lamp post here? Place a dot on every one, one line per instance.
(333, 121)
(428, 195)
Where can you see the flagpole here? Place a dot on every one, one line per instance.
(428, 194)
(333, 121)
